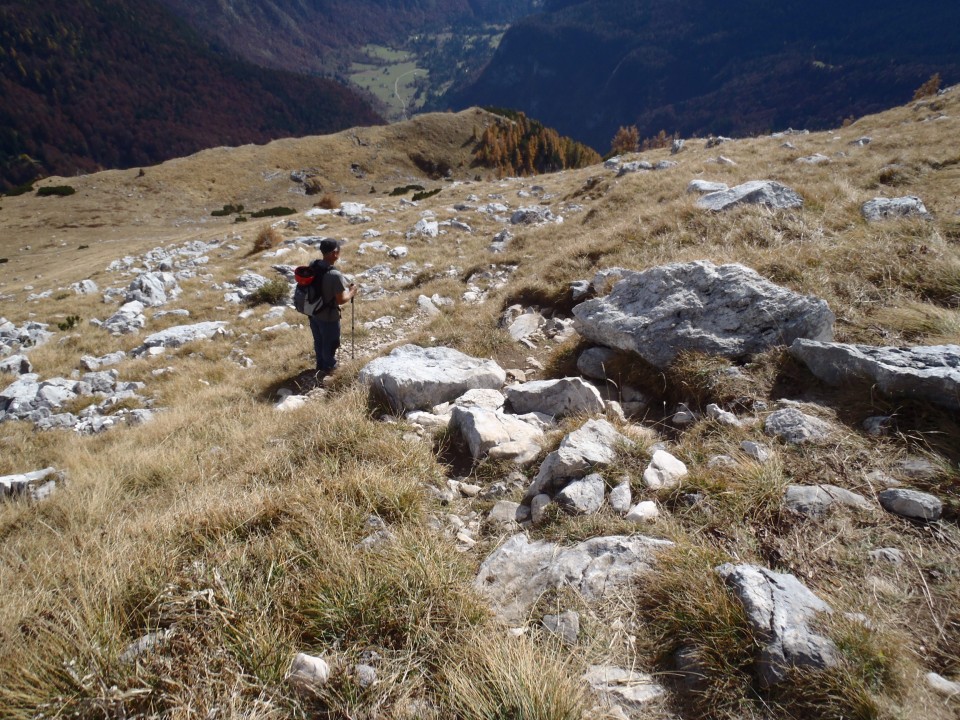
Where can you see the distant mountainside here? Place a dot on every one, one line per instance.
(699, 66)
(306, 35)
(119, 83)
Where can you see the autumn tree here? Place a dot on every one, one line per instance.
(626, 140)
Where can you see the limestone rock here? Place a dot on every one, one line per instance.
(618, 686)
(16, 365)
(886, 208)
(413, 377)
(518, 573)
(779, 609)
(534, 215)
(758, 452)
(308, 672)
(506, 512)
(566, 396)
(796, 428)
(911, 504)
(582, 497)
(643, 512)
(486, 429)
(726, 310)
(128, 319)
(705, 186)
(621, 497)
(180, 335)
(37, 484)
(566, 625)
(591, 446)
(595, 362)
(756, 192)
(816, 500)
(929, 373)
(664, 471)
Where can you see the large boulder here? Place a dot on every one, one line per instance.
(591, 446)
(727, 310)
(518, 573)
(413, 377)
(756, 192)
(929, 373)
(779, 609)
(566, 396)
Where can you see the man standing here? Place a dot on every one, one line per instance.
(325, 324)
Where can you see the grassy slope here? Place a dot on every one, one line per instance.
(237, 526)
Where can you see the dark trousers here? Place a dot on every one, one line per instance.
(326, 340)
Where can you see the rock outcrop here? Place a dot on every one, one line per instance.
(518, 573)
(413, 377)
(769, 193)
(726, 310)
(930, 373)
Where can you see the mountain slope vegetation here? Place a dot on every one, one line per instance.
(698, 67)
(313, 36)
(119, 83)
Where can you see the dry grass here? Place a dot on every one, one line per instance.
(236, 528)
(267, 239)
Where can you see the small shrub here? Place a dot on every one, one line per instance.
(312, 186)
(267, 238)
(328, 202)
(83, 247)
(70, 323)
(660, 140)
(278, 211)
(403, 190)
(274, 292)
(227, 210)
(424, 195)
(930, 88)
(56, 190)
(4, 260)
(20, 189)
(240, 218)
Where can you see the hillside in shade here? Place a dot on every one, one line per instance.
(696, 67)
(121, 83)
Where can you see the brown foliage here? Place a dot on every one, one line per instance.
(328, 202)
(660, 140)
(929, 88)
(520, 146)
(267, 238)
(626, 140)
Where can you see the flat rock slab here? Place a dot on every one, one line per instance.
(911, 504)
(565, 396)
(816, 500)
(593, 445)
(726, 310)
(756, 192)
(414, 378)
(621, 687)
(890, 208)
(518, 573)
(38, 484)
(779, 608)
(930, 373)
(180, 335)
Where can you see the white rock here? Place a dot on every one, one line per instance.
(643, 512)
(664, 471)
(309, 672)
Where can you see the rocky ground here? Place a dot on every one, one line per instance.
(672, 436)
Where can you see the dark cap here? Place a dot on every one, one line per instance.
(328, 245)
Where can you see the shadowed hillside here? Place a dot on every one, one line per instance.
(120, 83)
(697, 67)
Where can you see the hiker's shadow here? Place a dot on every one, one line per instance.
(299, 384)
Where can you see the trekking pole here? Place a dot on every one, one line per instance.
(353, 349)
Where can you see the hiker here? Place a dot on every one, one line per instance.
(325, 325)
